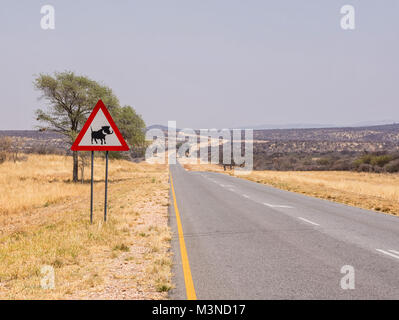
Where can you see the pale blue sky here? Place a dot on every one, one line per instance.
(210, 63)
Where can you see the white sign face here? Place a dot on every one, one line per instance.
(100, 133)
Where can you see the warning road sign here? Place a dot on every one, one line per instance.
(100, 133)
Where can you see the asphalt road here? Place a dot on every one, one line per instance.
(246, 240)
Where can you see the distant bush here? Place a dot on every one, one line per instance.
(5, 148)
(392, 166)
(3, 157)
(374, 160)
(376, 163)
(46, 149)
(5, 144)
(365, 167)
(380, 160)
(365, 159)
(342, 165)
(323, 161)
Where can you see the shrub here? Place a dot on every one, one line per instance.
(365, 159)
(121, 247)
(380, 160)
(374, 160)
(392, 166)
(3, 156)
(364, 167)
(342, 164)
(5, 144)
(323, 161)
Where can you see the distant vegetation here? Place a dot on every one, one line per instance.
(362, 149)
(346, 161)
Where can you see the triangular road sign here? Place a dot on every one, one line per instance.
(100, 133)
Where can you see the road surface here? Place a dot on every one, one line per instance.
(246, 240)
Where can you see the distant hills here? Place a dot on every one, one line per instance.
(299, 125)
(287, 126)
(378, 133)
(281, 140)
(317, 125)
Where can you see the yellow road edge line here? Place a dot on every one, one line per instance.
(190, 291)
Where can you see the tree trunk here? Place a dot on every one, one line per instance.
(82, 172)
(75, 166)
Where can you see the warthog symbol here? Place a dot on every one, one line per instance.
(100, 134)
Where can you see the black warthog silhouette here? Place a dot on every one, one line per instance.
(100, 134)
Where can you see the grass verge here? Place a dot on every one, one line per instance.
(44, 221)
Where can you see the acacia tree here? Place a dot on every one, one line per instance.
(69, 100)
(130, 124)
(132, 127)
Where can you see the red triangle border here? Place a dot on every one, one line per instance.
(122, 147)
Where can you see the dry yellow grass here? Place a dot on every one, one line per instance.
(375, 191)
(40, 181)
(44, 220)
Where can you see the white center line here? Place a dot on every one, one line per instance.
(389, 253)
(308, 221)
(394, 251)
(245, 196)
(277, 205)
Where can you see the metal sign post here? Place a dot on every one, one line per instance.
(91, 193)
(106, 186)
(99, 133)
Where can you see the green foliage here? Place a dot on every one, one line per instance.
(69, 100)
(132, 127)
(130, 124)
(380, 160)
(365, 159)
(374, 160)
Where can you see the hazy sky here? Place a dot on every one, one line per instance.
(210, 63)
